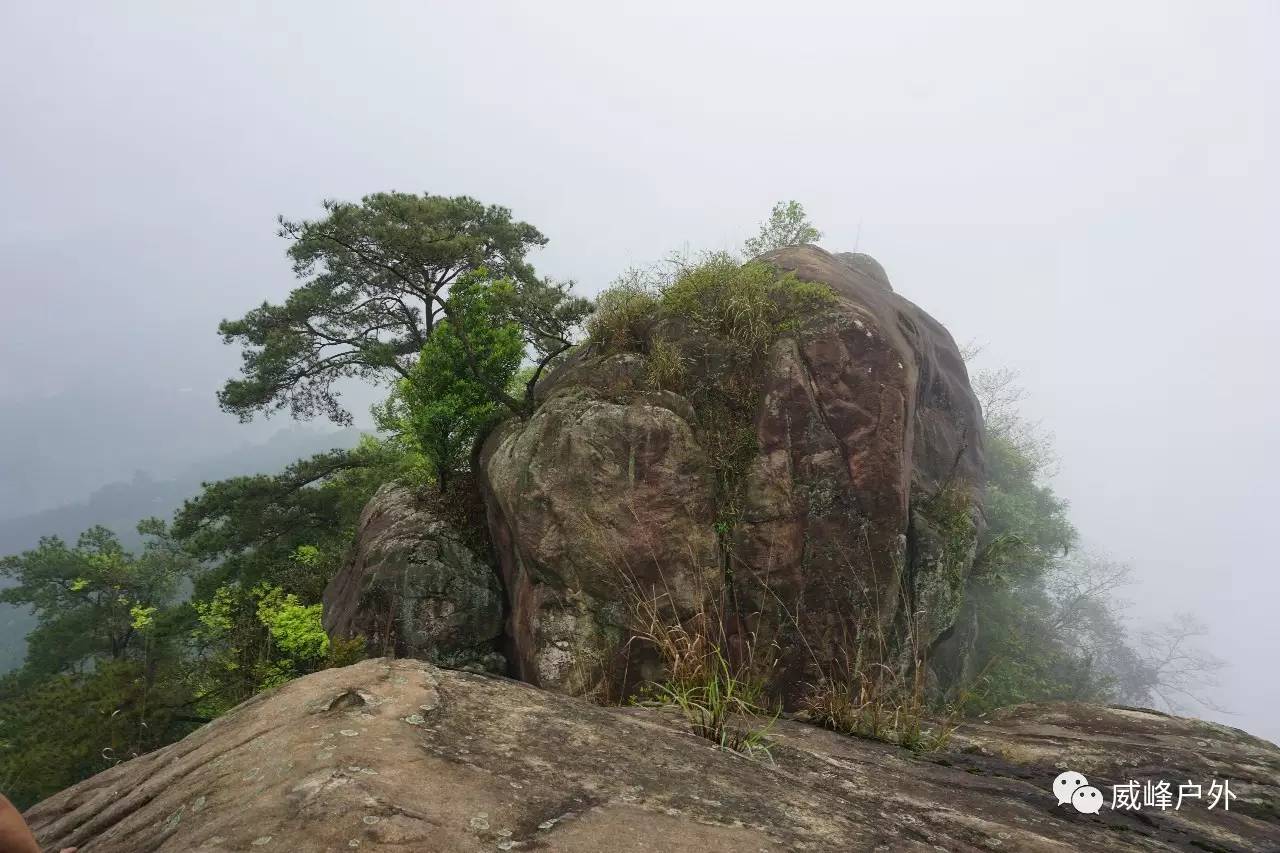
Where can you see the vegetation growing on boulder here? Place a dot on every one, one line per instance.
(787, 226)
(728, 315)
(624, 313)
(721, 694)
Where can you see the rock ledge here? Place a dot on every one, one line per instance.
(402, 756)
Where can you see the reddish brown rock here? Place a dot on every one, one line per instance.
(861, 504)
(587, 499)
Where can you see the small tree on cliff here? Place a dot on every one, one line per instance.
(444, 406)
(787, 226)
(376, 279)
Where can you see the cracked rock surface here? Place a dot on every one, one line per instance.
(402, 756)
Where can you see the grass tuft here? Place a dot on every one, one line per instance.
(723, 700)
(623, 315)
(668, 368)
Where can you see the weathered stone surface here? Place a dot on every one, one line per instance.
(413, 588)
(562, 486)
(861, 505)
(401, 756)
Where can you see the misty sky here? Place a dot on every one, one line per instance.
(1086, 190)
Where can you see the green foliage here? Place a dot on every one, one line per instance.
(733, 314)
(60, 729)
(251, 640)
(269, 545)
(1022, 658)
(623, 314)
(1027, 524)
(1050, 625)
(443, 407)
(375, 277)
(787, 226)
(95, 602)
(550, 319)
(722, 706)
(431, 291)
(294, 628)
(249, 528)
(1017, 654)
(721, 700)
(728, 301)
(746, 306)
(727, 316)
(103, 678)
(950, 513)
(668, 368)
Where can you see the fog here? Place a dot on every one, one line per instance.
(1085, 190)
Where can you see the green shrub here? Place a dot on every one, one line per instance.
(622, 315)
(728, 315)
(727, 301)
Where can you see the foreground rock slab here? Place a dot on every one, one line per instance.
(402, 756)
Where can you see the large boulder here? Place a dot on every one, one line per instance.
(400, 756)
(854, 520)
(414, 586)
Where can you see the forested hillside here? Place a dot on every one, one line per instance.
(120, 506)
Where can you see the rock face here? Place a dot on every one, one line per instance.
(400, 756)
(860, 503)
(413, 588)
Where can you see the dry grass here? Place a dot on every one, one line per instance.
(874, 686)
(721, 695)
(877, 687)
(668, 368)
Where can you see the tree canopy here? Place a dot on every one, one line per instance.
(103, 678)
(94, 601)
(375, 277)
(788, 225)
(248, 528)
(443, 406)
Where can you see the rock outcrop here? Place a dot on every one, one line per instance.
(856, 512)
(403, 757)
(413, 587)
